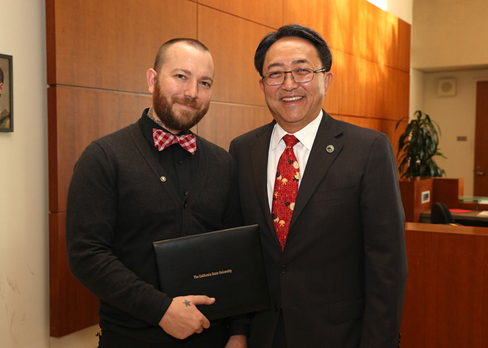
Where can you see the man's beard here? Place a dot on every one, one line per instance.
(182, 122)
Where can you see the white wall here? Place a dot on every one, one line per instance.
(416, 91)
(82, 339)
(403, 9)
(449, 41)
(456, 116)
(24, 308)
(24, 269)
(449, 34)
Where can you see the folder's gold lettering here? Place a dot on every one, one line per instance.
(212, 274)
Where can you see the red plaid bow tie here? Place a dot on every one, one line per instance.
(164, 139)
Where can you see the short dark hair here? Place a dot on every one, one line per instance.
(161, 55)
(293, 30)
(1, 75)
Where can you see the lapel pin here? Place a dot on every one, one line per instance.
(330, 148)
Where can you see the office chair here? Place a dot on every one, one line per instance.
(440, 214)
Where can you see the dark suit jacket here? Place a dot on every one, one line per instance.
(341, 278)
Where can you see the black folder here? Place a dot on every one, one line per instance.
(227, 265)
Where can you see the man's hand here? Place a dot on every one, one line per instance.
(237, 341)
(183, 319)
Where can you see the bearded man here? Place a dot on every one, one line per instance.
(150, 181)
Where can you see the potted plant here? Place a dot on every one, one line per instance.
(417, 146)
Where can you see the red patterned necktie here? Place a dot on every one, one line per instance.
(285, 189)
(164, 139)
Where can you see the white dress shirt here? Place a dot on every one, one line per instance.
(306, 137)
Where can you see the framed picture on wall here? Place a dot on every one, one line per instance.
(6, 94)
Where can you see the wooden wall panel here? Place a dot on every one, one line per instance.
(78, 117)
(333, 19)
(355, 27)
(333, 97)
(381, 37)
(66, 294)
(224, 122)
(232, 42)
(266, 12)
(382, 125)
(371, 57)
(399, 52)
(98, 53)
(367, 89)
(445, 301)
(110, 44)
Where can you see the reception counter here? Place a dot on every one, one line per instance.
(446, 300)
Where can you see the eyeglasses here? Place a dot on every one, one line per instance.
(276, 78)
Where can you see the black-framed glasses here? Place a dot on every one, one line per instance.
(302, 75)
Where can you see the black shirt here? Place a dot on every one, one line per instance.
(180, 165)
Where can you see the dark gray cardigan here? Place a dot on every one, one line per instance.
(118, 204)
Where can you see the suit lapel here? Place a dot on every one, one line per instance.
(319, 162)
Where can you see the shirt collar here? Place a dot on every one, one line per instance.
(306, 135)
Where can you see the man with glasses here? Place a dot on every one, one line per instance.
(325, 194)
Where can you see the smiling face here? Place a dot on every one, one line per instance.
(183, 87)
(294, 105)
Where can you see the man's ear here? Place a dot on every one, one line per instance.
(329, 76)
(151, 76)
(261, 84)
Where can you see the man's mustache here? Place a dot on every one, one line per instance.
(187, 101)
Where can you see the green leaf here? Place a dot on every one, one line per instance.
(417, 146)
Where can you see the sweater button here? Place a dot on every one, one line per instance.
(163, 179)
